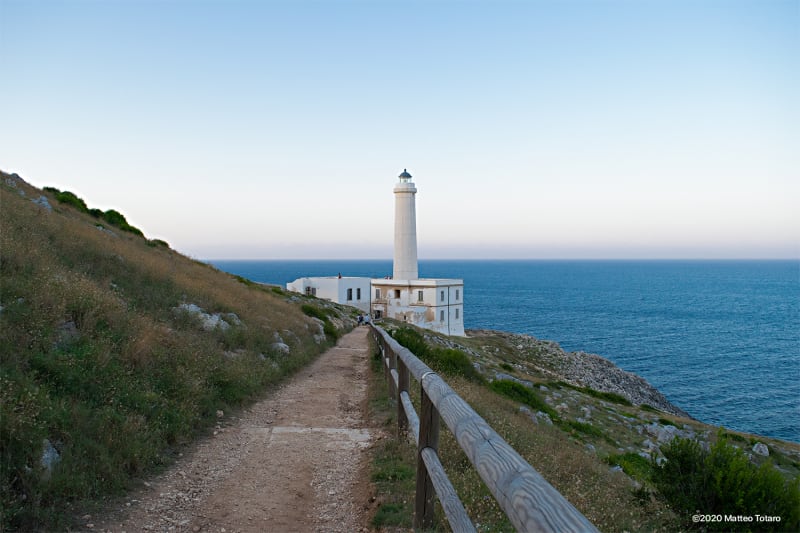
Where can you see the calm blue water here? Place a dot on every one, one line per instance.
(721, 339)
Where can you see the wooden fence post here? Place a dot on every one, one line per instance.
(428, 438)
(402, 386)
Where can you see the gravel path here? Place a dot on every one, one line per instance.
(292, 462)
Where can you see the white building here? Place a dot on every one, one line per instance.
(343, 290)
(435, 304)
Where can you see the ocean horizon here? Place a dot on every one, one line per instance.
(720, 338)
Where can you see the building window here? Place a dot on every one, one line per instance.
(377, 294)
(419, 296)
(458, 294)
(397, 293)
(308, 291)
(457, 314)
(378, 313)
(349, 294)
(441, 316)
(358, 293)
(441, 295)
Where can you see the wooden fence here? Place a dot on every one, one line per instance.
(530, 502)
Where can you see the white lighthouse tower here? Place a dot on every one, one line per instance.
(405, 228)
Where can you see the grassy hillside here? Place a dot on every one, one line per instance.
(115, 350)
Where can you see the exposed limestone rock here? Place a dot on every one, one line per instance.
(208, 322)
(508, 377)
(42, 201)
(50, 458)
(105, 230)
(761, 449)
(281, 348)
(66, 332)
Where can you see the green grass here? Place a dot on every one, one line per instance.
(520, 393)
(393, 466)
(633, 464)
(607, 396)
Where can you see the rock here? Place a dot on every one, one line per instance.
(50, 458)
(66, 332)
(208, 322)
(105, 230)
(543, 388)
(761, 449)
(220, 413)
(281, 348)
(233, 318)
(590, 448)
(667, 433)
(42, 201)
(544, 417)
(508, 377)
(616, 468)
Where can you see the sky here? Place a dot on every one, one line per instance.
(569, 129)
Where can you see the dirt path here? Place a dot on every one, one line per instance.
(292, 462)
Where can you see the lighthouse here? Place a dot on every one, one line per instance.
(434, 304)
(405, 228)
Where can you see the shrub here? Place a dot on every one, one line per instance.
(520, 393)
(154, 243)
(447, 361)
(632, 464)
(327, 326)
(583, 427)
(66, 197)
(608, 396)
(723, 481)
(314, 312)
(117, 219)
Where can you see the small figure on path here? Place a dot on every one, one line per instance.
(360, 319)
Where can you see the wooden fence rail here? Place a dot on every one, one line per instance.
(529, 501)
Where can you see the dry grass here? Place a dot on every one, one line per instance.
(606, 498)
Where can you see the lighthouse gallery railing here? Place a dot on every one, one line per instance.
(529, 501)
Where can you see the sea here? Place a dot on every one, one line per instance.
(721, 339)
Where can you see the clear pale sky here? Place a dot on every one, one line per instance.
(537, 129)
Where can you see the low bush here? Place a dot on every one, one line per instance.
(447, 361)
(327, 326)
(722, 481)
(520, 393)
(602, 395)
(633, 464)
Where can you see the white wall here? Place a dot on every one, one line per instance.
(426, 313)
(336, 290)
